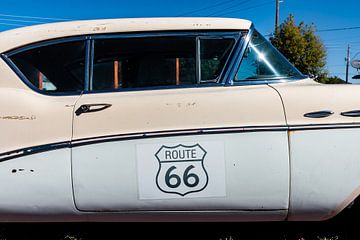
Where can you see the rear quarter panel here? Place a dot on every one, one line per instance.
(324, 152)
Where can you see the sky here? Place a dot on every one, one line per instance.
(337, 22)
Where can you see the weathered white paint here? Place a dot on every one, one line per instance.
(22, 36)
(325, 172)
(37, 185)
(256, 174)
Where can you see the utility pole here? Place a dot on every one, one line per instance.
(277, 15)
(347, 63)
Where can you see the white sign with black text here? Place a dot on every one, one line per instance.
(181, 170)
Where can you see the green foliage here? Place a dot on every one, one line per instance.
(302, 47)
(332, 80)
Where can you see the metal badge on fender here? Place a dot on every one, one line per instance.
(181, 169)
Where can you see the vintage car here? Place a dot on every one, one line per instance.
(169, 119)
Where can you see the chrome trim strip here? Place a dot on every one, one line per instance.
(197, 61)
(87, 65)
(187, 211)
(91, 65)
(32, 150)
(323, 126)
(131, 136)
(264, 81)
(237, 58)
(172, 133)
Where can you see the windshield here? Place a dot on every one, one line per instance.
(261, 61)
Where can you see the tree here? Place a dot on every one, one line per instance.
(302, 47)
(333, 80)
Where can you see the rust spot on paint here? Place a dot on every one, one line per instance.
(32, 117)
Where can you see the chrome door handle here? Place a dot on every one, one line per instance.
(319, 114)
(352, 113)
(86, 108)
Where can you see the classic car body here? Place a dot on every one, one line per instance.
(181, 119)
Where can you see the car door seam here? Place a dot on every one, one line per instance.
(288, 149)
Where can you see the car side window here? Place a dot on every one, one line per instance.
(213, 56)
(261, 61)
(143, 62)
(54, 68)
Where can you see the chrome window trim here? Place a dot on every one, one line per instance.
(177, 33)
(24, 80)
(198, 35)
(171, 87)
(264, 81)
(89, 55)
(198, 61)
(6, 57)
(237, 58)
(45, 43)
(90, 59)
(224, 70)
(87, 64)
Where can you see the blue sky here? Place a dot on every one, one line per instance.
(325, 14)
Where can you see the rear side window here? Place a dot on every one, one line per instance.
(54, 68)
(158, 61)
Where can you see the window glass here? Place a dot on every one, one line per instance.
(213, 56)
(144, 62)
(261, 61)
(54, 68)
(156, 61)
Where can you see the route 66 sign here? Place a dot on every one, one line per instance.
(181, 169)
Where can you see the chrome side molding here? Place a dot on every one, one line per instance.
(352, 113)
(319, 114)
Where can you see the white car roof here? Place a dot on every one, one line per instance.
(22, 36)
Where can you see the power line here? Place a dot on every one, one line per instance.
(231, 7)
(338, 29)
(248, 8)
(17, 20)
(12, 24)
(206, 8)
(33, 17)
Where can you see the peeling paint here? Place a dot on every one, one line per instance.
(179, 105)
(201, 25)
(96, 29)
(32, 117)
(21, 170)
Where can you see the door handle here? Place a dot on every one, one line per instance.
(86, 108)
(318, 114)
(353, 113)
